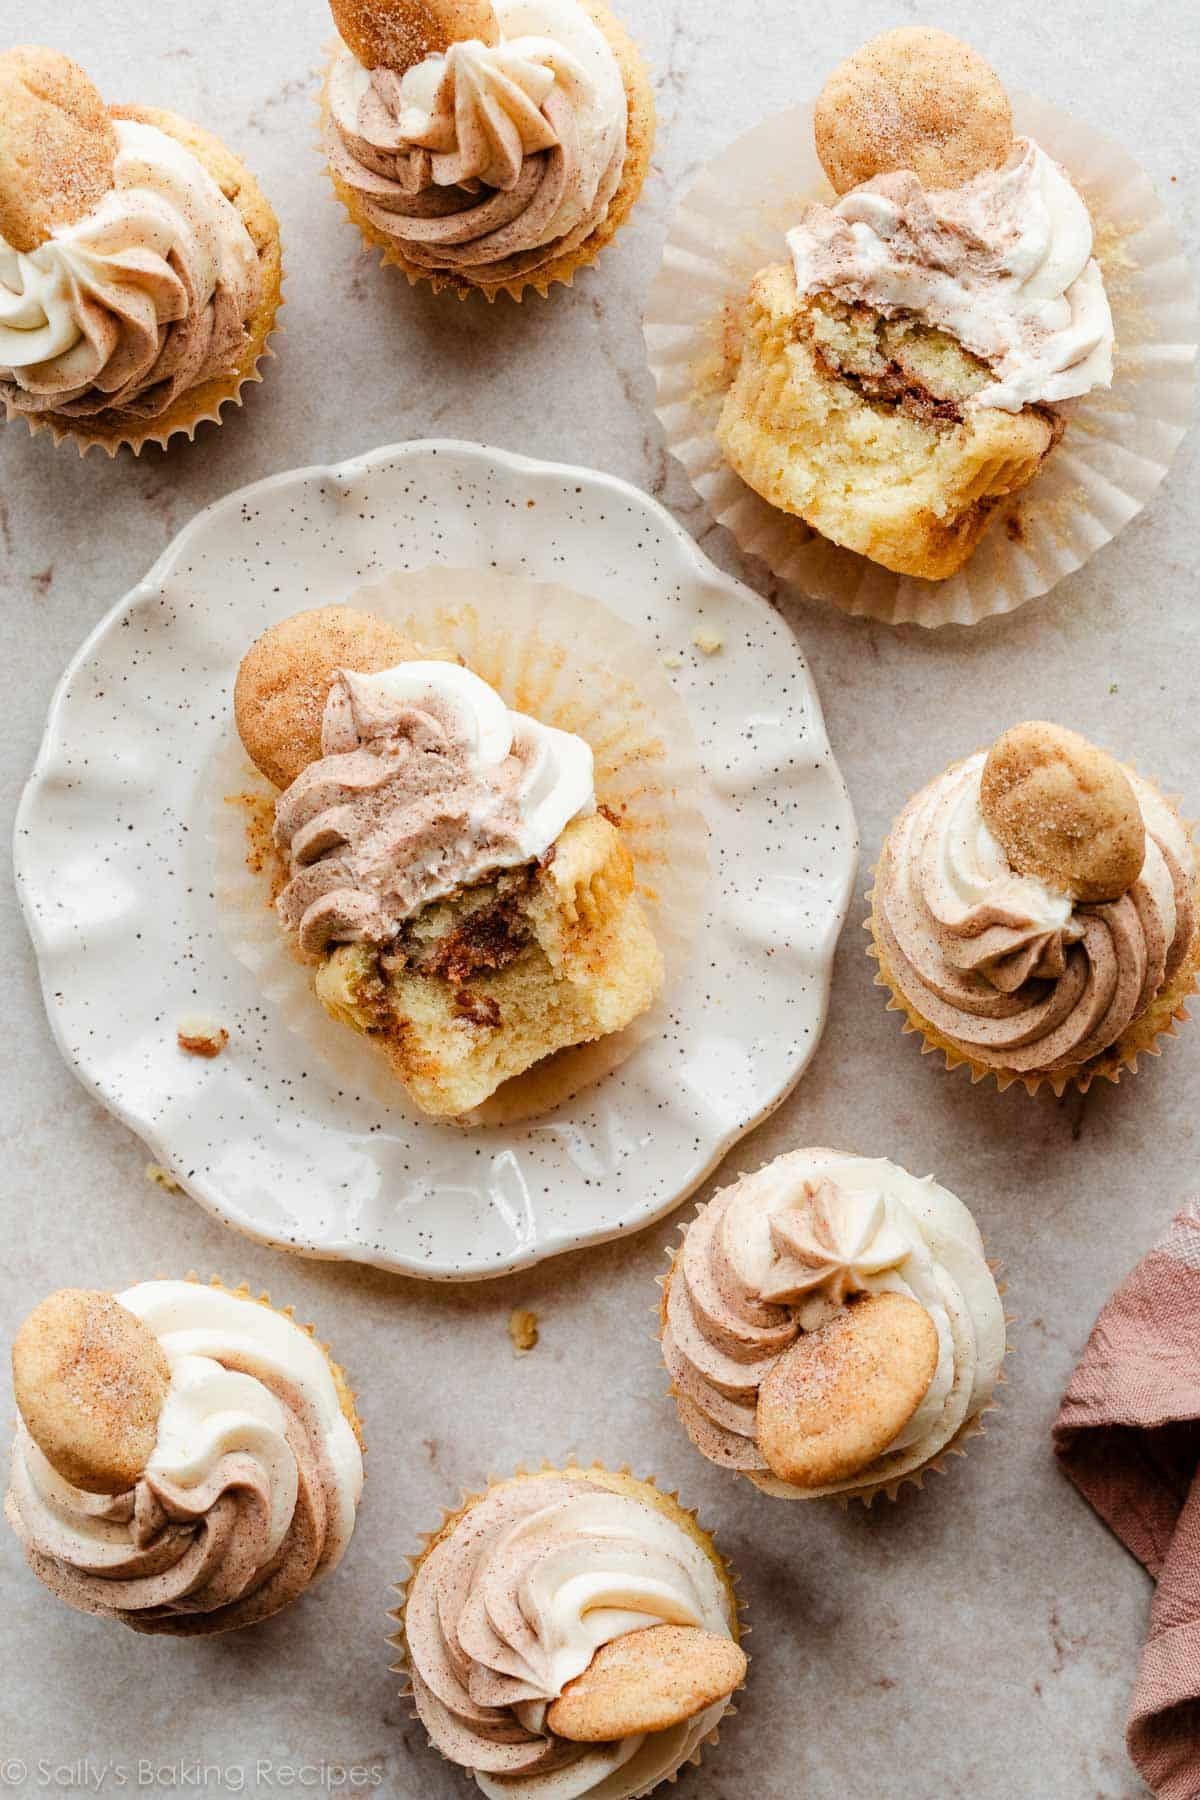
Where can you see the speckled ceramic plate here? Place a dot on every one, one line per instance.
(112, 864)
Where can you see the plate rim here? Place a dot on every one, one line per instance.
(197, 1188)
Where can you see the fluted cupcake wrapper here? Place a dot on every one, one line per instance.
(562, 270)
(621, 1481)
(567, 661)
(1119, 441)
(1147, 1036)
(871, 1491)
(204, 403)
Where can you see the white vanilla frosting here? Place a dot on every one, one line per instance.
(1019, 976)
(248, 1496)
(428, 784)
(512, 1605)
(146, 294)
(779, 1253)
(486, 156)
(1003, 263)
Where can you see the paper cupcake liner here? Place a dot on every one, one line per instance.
(1119, 442)
(569, 662)
(871, 1491)
(622, 1481)
(202, 404)
(243, 1291)
(1147, 1036)
(563, 269)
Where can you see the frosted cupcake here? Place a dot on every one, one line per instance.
(187, 1460)
(139, 262)
(902, 374)
(1035, 912)
(445, 870)
(831, 1326)
(486, 146)
(570, 1633)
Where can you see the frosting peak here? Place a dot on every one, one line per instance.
(1004, 263)
(831, 1242)
(428, 784)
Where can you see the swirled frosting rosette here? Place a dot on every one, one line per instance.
(570, 1633)
(486, 146)
(1035, 912)
(141, 308)
(187, 1460)
(831, 1326)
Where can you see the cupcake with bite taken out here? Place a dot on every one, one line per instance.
(140, 263)
(188, 1459)
(1035, 912)
(832, 1327)
(486, 145)
(570, 1632)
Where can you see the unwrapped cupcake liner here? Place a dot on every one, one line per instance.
(569, 662)
(1119, 441)
(1147, 1036)
(972, 1427)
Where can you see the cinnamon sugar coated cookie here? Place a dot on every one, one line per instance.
(648, 1680)
(57, 144)
(914, 99)
(395, 34)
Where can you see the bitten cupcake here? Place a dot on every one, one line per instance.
(1035, 912)
(486, 146)
(446, 870)
(187, 1460)
(903, 373)
(139, 262)
(831, 1326)
(573, 1633)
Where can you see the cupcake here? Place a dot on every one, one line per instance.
(486, 146)
(443, 866)
(188, 1459)
(570, 1633)
(139, 262)
(902, 374)
(1035, 912)
(831, 1326)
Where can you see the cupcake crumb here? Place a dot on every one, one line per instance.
(707, 642)
(523, 1330)
(201, 1036)
(672, 662)
(163, 1178)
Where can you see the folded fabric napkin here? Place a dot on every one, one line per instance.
(1128, 1435)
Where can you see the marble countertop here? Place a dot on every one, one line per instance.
(977, 1639)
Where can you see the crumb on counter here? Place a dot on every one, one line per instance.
(523, 1330)
(163, 1178)
(707, 642)
(201, 1036)
(672, 662)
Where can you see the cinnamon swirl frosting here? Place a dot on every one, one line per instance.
(490, 160)
(1017, 976)
(250, 1493)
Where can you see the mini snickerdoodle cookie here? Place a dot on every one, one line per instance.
(188, 1458)
(614, 1698)
(1035, 912)
(831, 1326)
(140, 263)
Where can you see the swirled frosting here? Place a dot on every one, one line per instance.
(1003, 263)
(513, 1604)
(489, 160)
(428, 783)
(1016, 975)
(145, 297)
(250, 1493)
(778, 1253)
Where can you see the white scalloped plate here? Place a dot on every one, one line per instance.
(112, 866)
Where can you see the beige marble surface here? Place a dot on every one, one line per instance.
(978, 1639)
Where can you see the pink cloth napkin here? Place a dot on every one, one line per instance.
(1128, 1435)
